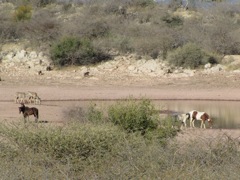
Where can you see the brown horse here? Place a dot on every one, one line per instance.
(28, 111)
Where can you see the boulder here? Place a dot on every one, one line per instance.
(208, 65)
(32, 55)
(149, 66)
(20, 55)
(131, 68)
(217, 68)
(9, 56)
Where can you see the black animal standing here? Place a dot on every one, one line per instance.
(26, 111)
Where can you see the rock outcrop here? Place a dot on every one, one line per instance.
(16, 61)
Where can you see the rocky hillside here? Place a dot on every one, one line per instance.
(17, 63)
(144, 30)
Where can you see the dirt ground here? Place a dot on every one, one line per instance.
(60, 94)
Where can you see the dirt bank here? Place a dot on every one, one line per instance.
(219, 86)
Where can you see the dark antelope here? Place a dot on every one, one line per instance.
(26, 111)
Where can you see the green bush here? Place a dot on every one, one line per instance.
(172, 20)
(167, 128)
(189, 56)
(75, 51)
(162, 135)
(94, 115)
(22, 13)
(141, 3)
(133, 116)
(97, 29)
(174, 4)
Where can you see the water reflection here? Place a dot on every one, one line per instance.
(225, 114)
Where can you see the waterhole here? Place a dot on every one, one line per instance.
(225, 114)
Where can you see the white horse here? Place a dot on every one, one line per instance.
(201, 116)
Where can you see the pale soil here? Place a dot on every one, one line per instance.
(221, 86)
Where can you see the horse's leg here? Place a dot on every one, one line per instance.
(185, 123)
(204, 125)
(36, 116)
(36, 119)
(193, 121)
(25, 116)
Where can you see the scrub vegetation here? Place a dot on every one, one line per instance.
(126, 140)
(87, 32)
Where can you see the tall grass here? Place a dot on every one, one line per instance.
(106, 152)
(90, 149)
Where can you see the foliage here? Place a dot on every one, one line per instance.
(81, 115)
(95, 115)
(133, 116)
(97, 29)
(172, 20)
(175, 4)
(143, 27)
(76, 114)
(90, 151)
(37, 3)
(75, 51)
(41, 3)
(141, 3)
(189, 56)
(42, 27)
(74, 141)
(9, 31)
(168, 127)
(22, 13)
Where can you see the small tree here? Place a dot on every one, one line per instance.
(22, 13)
(189, 56)
(133, 116)
(75, 51)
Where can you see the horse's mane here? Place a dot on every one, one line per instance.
(23, 108)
